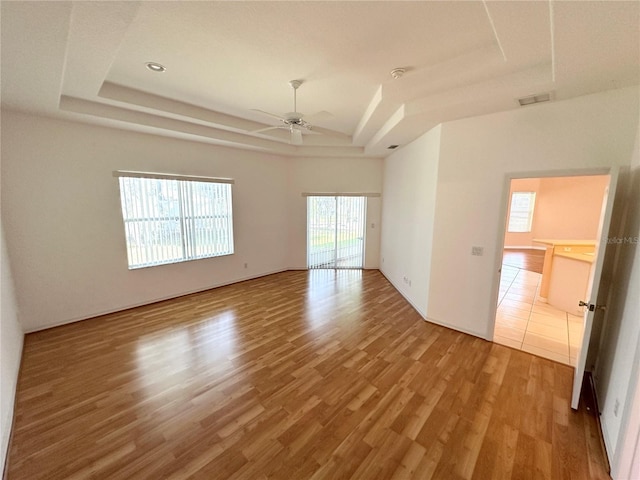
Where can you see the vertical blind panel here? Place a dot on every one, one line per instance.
(350, 245)
(335, 231)
(169, 221)
(321, 228)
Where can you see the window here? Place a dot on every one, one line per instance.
(521, 211)
(169, 218)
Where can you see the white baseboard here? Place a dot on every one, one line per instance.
(155, 300)
(422, 314)
(457, 328)
(168, 297)
(433, 320)
(604, 432)
(8, 421)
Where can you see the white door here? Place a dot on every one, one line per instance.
(335, 231)
(590, 303)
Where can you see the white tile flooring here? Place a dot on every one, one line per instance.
(524, 322)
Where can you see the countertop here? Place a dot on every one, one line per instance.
(553, 241)
(582, 257)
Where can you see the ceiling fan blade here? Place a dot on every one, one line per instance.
(311, 131)
(296, 137)
(330, 133)
(267, 113)
(319, 116)
(265, 129)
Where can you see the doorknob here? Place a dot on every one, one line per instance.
(591, 306)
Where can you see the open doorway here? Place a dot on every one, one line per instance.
(549, 250)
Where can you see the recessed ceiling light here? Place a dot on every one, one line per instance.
(155, 67)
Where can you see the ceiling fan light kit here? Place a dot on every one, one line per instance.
(396, 73)
(294, 121)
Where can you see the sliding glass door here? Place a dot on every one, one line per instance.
(335, 231)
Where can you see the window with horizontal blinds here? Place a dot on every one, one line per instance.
(169, 219)
(521, 212)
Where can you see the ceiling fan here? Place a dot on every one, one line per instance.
(294, 121)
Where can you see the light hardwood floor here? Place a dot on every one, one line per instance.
(321, 374)
(524, 258)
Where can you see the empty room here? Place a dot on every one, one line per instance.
(273, 240)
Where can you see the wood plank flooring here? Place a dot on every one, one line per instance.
(525, 258)
(300, 375)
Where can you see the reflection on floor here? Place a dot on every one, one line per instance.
(524, 322)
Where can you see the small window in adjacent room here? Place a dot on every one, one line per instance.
(521, 211)
(171, 218)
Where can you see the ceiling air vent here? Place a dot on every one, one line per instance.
(530, 100)
(392, 147)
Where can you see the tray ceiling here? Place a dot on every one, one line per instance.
(85, 61)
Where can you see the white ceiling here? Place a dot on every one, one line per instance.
(85, 61)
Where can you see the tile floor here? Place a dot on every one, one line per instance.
(524, 322)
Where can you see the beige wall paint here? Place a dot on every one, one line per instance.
(570, 207)
(566, 208)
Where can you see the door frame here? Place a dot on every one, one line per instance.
(504, 206)
(366, 197)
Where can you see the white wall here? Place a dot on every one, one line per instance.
(11, 339)
(618, 365)
(476, 154)
(63, 222)
(64, 226)
(408, 209)
(64, 232)
(472, 159)
(332, 175)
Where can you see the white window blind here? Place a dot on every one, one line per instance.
(521, 211)
(169, 219)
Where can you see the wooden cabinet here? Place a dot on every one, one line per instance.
(566, 272)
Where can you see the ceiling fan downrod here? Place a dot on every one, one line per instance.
(295, 84)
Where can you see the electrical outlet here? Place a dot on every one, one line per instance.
(616, 407)
(373, 225)
(477, 251)
(246, 265)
